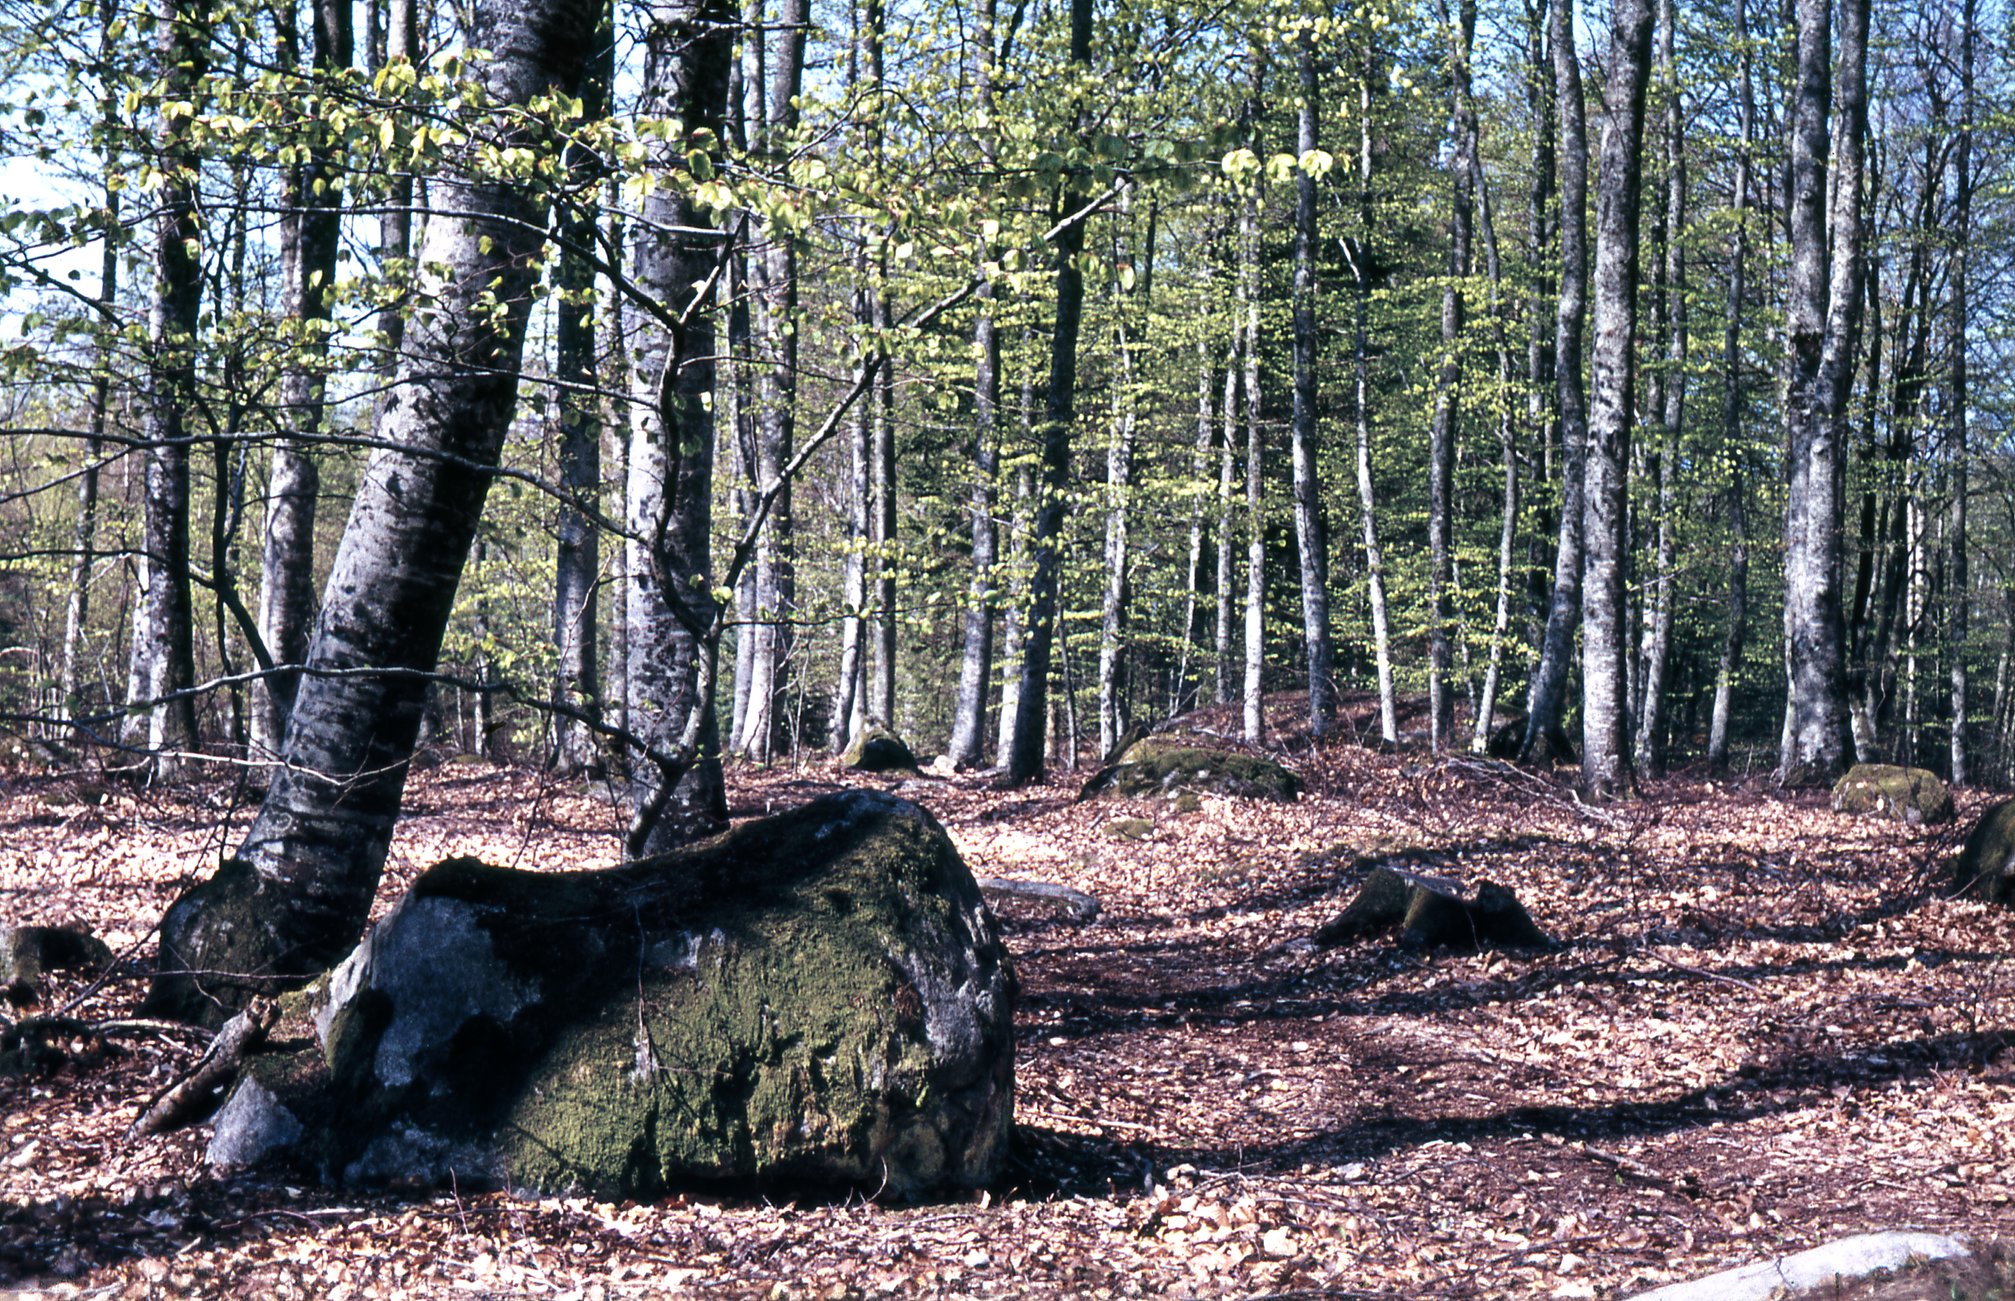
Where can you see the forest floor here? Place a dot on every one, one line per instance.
(1765, 1027)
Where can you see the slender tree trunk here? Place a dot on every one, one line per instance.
(669, 490)
(1507, 536)
(310, 232)
(1546, 707)
(776, 302)
(1112, 720)
(297, 895)
(850, 700)
(163, 632)
(1658, 633)
(1605, 755)
(1732, 397)
(1361, 265)
(1226, 675)
(1442, 432)
(1254, 729)
(968, 743)
(1822, 315)
(84, 538)
(1311, 534)
(1013, 619)
(1958, 595)
(1025, 752)
(577, 563)
(1182, 697)
(882, 683)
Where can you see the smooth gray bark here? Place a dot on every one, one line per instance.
(163, 632)
(311, 231)
(1546, 704)
(673, 644)
(967, 747)
(775, 290)
(1823, 302)
(298, 893)
(1605, 754)
(1311, 534)
(577, 560)
(1361, 255)
(1657, 642)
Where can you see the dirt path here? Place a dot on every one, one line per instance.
(1762, 1029)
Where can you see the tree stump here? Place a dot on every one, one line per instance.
(1432, 911)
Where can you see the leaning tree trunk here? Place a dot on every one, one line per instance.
(1822, 315)
(577, 563)
(1546, 705)
(296, 896)
(311, 229)
(1025, 750)
(1311, 536)
(1605, 754)
(163, 662)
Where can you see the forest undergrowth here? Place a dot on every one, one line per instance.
(1764, 1026)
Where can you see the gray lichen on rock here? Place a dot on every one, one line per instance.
(818, 999)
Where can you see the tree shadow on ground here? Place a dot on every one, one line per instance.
(1053, 1162)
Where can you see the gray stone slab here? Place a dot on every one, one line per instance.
(1849, 1258)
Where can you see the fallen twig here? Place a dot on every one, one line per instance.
(195, 1094)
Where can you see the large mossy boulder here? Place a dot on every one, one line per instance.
(1910, 795)
(877, 749)
(1987, 864)
(816, 1001)
(1161, 767)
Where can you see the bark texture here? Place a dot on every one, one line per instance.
(296, 896)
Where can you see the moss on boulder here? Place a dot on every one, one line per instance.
(877, 749)
(1986, 866)
(1910, 795)
(817, 1000)
(1160, 767)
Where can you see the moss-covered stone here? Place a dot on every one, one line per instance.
(1128, 828)
(1910, 795)
(1161, 767)
(877, 749)
(815, 1000)
(1986, 866)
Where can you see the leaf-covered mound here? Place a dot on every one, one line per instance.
(1160, 767)
(816, 1000)
(1912, 795)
